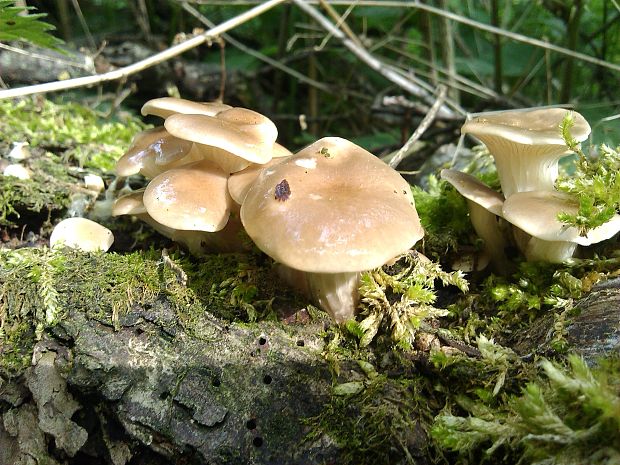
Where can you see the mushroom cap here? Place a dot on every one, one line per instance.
(475, 190)
(536, 212)
(538, 126)
(152, 147)
(83, 234)
(239, 183)
(191, 197)
(129, 204)
(166, 106)
(242, 132)
(333, 207)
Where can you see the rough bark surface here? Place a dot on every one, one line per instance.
(150, 393)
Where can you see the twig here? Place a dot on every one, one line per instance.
(447, 14)
(141, 65)
(340, 21)
(84, 24)
(87, 65)
(276, 64)
(407, 83)
(422, 127)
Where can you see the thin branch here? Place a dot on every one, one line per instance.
(453, 16)
(406, 82)
(276, 64)
(123, 73)
(87, 65)
(422, 127)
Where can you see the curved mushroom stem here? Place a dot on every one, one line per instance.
(487, 228)
(549, 251)
(522, 167)
(336, 293)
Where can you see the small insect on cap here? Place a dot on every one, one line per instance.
(192, 197)
(240, 182)
(83, 234)
(167, 106)
(332, 207)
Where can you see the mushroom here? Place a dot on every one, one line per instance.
(239, 183)
(153, 151)
(228, 239)
(328, 213)
(191, 197)
(536, 213)
(526, 145)
(167, 106)
(17, 171)
(83, 234)
(485, 206)
(233, 138)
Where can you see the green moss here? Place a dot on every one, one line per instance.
(79, 133)
(565, 415)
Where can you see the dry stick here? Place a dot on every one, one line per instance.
(453, 16)
(270, 61)
(340, 22)
(123, 73)
(422, 127)
(385, 70)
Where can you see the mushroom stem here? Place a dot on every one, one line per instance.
(549, 251)
(487, 228)
(523, 168)
(336, 293)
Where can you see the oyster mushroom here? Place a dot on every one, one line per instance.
(328, 213)
(536, 212)
(526, 145)
(232, 138)
(485, 209)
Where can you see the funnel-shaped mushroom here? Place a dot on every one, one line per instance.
(536, 213)
(233, 138)
(526, 145)
(331, 211)
(485, 206)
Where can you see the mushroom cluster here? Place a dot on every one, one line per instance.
(189, 162)
(526, 146)
(325, 214)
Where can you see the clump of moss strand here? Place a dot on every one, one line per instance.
(569, 414)
(76, 132)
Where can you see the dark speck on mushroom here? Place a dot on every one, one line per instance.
(283, 191)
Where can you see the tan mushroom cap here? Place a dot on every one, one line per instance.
(129, 204)
(83, 234)
(475, 190)
(242, 132)
(192, 197)
(538, 126)
(149, 148)
(333, 207)
(239, 183)
(526, 145)
(166, 106)
(536, 213)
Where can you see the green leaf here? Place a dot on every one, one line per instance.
(14, 26)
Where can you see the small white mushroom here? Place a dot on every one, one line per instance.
(20, 151)
(17, 171)
(83, 234)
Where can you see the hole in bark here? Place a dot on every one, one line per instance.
(216, 382)
(258, 441)
(300, 343)
(251, 423)
(262, 341)
(164, 395)
(267, 379)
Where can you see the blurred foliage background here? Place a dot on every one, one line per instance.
(431, 41)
